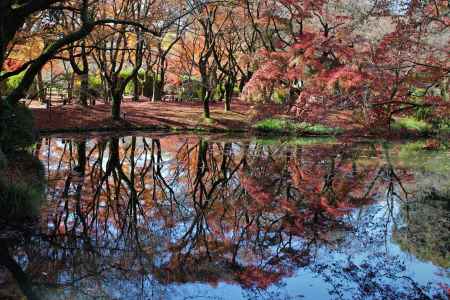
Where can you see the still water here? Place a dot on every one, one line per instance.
(214, 217)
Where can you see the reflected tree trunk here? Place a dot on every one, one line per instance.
(22, 279)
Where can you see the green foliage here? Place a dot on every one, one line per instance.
(418, 93)
(443, 126)
(218, 91)
(274, 125)
(191, 89)
(130, 86)
(125, 73)
(279, 96)
(412, 124)
(129, 89)
(12, 83)
(16, 127)
(426, 114)
(423, 113)
(95, 82)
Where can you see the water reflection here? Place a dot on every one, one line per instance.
(180, 217)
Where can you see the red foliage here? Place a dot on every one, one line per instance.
(12, 65)
(337, 63)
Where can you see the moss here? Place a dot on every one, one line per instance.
(279, 125)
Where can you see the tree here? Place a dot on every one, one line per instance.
(332, 58)
(121, 44)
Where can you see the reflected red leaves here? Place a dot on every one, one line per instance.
(207, 211)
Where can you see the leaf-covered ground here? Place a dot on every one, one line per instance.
(135, 115)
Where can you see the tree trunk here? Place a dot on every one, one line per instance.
(84, 90)
(106, 94)
(206, 95)
(158, 86)
(71, 88)
(444, 85)
(81, 152)
(206, 112)
(227, 103)
(136, 90)
(23, 280)
(156, 94)
(40, 87)
(116, 103)
(244, 80)
(229, 88)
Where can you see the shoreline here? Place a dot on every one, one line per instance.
(187, 117)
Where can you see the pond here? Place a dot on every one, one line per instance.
(181, 216)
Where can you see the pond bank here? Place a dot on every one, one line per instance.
(170, 117)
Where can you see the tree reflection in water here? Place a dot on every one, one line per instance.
(130, 217)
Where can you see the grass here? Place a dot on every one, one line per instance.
(280, 125)
(412, 124)
(293, 141)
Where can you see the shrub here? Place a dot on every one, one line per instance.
(3, 160)
(19, 201)
(16, 127)
(22, 187)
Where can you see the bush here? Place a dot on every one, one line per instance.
(19, 201)
(22, 187)
(16, 127)
(3, 160)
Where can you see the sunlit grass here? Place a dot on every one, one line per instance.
(293, 141)
(279, 125)
(412, 124)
